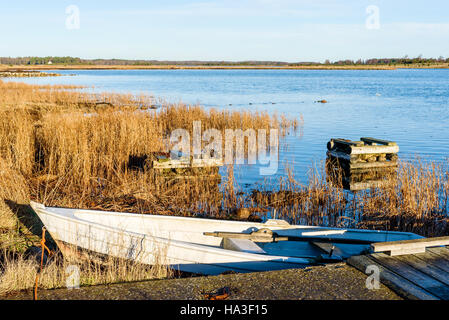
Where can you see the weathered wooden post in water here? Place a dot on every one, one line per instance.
(172, 170)
(183, 165)
(364, 164)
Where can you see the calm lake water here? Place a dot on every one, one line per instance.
(408, 106)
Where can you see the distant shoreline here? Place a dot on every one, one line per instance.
(218, 67)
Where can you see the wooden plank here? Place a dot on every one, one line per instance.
(243, 245)
(374, 165)
(210, 177)
(435, 260)
(405, 251)
(374, 149)
(170, 164)
(419, 278)
(261, 235)
(278, 223)
(356, 186)
(441, 251)
(400, 285)
(266, 235)
(410, 244)
(372, 172)
(331, 250)
(426, 267)
(207, 163)
(379, 141)
(347, 143)
(185, 163)
(342, 156)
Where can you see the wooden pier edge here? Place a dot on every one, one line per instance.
(397, 283)
(409, 246)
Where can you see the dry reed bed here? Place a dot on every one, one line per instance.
(74, 159)
(60, 98)
(414, 200)
(72, 148)
(18, 272)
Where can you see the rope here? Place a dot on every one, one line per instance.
(43, 248)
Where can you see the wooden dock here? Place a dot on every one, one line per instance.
(422, 276)
(363, 164)
(169, 161)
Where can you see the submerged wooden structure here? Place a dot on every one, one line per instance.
(170, 165)
(364, 164)
(169, 161)
(415, 269)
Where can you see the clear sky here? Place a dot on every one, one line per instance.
(281, 30)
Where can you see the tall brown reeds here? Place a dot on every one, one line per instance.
(73, 148)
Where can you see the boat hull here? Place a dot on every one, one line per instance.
(180, 242)
(152, 250)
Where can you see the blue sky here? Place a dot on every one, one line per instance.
(282, 30)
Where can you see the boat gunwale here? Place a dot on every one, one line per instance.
(254, 224)
(179, 243)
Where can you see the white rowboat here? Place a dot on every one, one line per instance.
(207, 246)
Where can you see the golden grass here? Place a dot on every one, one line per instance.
(414, 200)
(76, 154)
(73, 148)
(19, 272)
(69, 151)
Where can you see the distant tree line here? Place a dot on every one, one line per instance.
(390, 61)
(40, 60)
(78, 61)
(106, 62)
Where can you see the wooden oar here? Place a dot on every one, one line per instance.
(267, 235)
(330, 240)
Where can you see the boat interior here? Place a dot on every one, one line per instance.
(274, 237)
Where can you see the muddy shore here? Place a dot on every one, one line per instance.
(331, 282)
